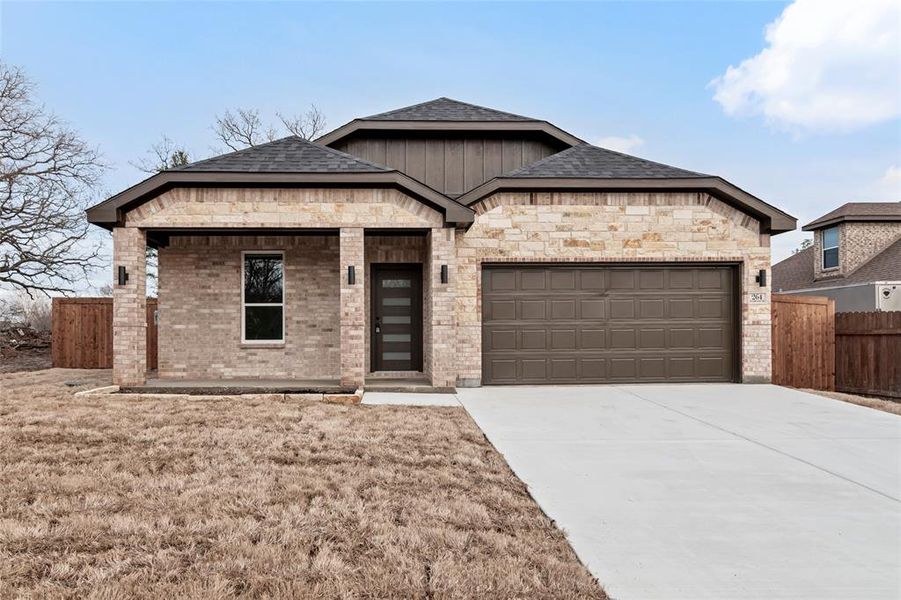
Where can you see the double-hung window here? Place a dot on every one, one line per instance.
(263, 297)
(830, 248)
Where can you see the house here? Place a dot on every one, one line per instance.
(444, 241)
(855, 258)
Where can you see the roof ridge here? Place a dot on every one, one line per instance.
(345, 154)
(460, 103)
(653, 162)
(232, 153)
(524, 170)
(542, 161)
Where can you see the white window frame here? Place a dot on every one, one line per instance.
(838, 236)
(244, 304)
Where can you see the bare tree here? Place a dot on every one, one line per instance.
(162, 155)
(47, 172)
(308, 125)
(244, 127)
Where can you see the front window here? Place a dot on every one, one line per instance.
(830, 248)
(263, 297)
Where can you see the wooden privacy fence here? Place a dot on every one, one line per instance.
(82, 333)
(804, 341)
(868, 353)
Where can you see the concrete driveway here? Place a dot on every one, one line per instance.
(709, 491)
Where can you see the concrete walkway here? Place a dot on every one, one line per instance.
(710, 491)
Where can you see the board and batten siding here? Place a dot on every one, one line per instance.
(453, 165)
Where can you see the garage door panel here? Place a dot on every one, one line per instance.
(594, 324)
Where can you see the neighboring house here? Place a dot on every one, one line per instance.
(448, 241)
(855, 258)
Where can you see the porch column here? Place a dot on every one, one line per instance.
(130, 307)
(441, 304)
(353, 308)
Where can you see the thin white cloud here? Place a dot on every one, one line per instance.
(621, 144)
(888, 188)
(828, 66)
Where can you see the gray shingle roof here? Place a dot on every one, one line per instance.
(446, 109)
(287, 155)
(859, 211)
(587, 161)
(796, 271)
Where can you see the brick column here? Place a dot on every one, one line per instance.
(130, 307)
(441, 304)
(353, 309)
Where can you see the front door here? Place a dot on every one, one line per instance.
(396, 317)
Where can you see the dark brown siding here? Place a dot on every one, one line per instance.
(601, 324)
(451, 163)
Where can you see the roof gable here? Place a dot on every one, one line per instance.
(292, 154)
(446, 109)
(586, 160)
(858, 211)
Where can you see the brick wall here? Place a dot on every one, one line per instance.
(610, 227)
(200, 309)
(440, 348)
(353, 308)
(130, 307)
(858, 243)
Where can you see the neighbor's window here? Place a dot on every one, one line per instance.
(264, 297)
(830, 248)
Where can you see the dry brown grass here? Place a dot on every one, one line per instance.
(888, 406)
(116, 498)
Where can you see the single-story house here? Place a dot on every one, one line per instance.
(448, 242)
(855, 258)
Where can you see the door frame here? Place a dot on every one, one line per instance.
(416, 319)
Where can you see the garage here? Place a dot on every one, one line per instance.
(553, 324)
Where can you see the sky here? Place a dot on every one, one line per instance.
(796, 102)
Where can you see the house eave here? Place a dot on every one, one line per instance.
(816, 225)
(773, 220)
(110, 213)
(542, 127)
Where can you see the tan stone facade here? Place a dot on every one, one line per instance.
(858, 243)
(327, 318)
(129, 307)
(611, 227)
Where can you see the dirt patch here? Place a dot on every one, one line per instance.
(114, 496)
(24, 349)
(889, 406)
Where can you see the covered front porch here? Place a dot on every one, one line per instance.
(303, 309)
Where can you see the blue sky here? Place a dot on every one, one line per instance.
(123, 74)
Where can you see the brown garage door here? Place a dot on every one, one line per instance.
(604, 324)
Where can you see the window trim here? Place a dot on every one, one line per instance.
(244, 305)
(838, 262)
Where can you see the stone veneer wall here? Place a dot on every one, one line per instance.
(200, 309)
(857, 243)
(610, 227)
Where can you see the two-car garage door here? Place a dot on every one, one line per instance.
(547, 324)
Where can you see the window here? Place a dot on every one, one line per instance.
(830, 248)
(263, 297)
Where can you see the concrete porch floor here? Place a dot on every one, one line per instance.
(407, 384)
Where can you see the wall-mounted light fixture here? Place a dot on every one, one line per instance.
(123, 275)
(761, 277)
(443, 273)
(351, 275)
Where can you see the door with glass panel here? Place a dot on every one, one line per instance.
(396, 317)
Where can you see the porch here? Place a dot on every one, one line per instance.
(303, 309)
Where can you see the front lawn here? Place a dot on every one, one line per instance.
(207, 498)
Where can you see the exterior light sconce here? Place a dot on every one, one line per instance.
(351, 275)
(123, 275)
(761, 277)
(443, 273)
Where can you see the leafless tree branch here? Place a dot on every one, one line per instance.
(162, 155)
(46, 173)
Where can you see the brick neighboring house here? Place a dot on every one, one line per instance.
(448, 241)
(855, 258)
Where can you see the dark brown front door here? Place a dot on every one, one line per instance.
(608, 324)
(396, 317)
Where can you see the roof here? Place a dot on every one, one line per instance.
(288, 162)
(292, 154)
(589, 168)
(858, 211)
(796, 271)
(446, 109)
(586, 160)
